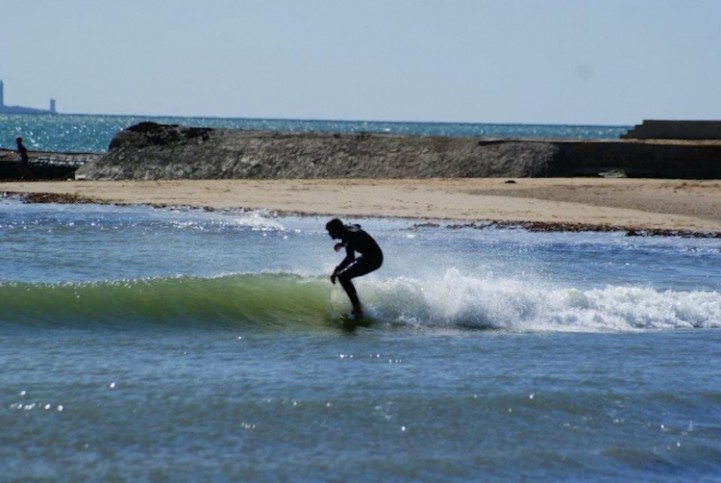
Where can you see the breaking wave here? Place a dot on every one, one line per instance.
(278, 301)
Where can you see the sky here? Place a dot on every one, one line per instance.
(598, 62)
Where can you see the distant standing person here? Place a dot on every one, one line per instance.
(23, 166)
(371, 258)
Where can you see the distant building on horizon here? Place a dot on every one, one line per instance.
(20, 109)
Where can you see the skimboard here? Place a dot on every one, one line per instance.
(340, 312)
(350, 322)
(349, 316)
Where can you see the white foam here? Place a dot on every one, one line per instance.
(465, 301)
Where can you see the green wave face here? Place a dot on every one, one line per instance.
(257, 300)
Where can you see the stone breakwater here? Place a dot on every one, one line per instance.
(150, 151)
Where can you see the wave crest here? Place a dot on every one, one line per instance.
(288, 301)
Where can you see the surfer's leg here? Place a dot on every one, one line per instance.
(356, 269)
(352, 294)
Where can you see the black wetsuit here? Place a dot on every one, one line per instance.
(22, 165)
(356, 240)
(23, 153)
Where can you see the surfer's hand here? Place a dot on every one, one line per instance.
(332, 278)
(338, 246)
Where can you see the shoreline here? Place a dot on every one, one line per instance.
(636, 206)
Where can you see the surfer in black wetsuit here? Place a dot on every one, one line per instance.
(354, 240)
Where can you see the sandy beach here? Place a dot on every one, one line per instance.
(690, 207)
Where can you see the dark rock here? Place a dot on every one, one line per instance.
(152, 151)
(153, 134)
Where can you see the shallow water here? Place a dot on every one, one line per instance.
(147, 344)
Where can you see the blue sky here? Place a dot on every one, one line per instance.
(503, 61)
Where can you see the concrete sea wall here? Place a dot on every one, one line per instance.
(43, 165)
(668, 129)
(150, 151)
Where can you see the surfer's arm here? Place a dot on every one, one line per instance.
(346, 261)
(349, 257)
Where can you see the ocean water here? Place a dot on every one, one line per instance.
(92, 133)
(143, 344)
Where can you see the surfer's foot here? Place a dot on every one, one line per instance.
(357, 313)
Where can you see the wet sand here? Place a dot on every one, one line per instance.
(684, 206)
